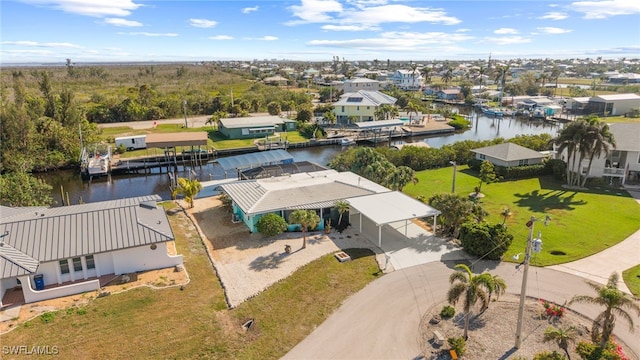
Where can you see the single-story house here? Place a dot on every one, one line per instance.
(448, 94)
(508, 155)
(52, 252)
(319, 191)
(276, 80)
(254, 126)
(614, 104)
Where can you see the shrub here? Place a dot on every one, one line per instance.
(557, 168)
(271, 224)
(448, 311)
(48, 317)
(459, 123)
(458, 344)
(483, 238)
(590, 351)
(549, 355)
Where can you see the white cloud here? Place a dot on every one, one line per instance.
(97, 8)
(349, 28)
(507, 40)
(554, 15)
(202, 23)
(398, 41)
(121, 22)
(144, 33)
(314, 11)
(505, 31)
(553, 30)
(221, 37)
(267, 38)
(396, 14)
(250, 9)
(606, 9)
(39, 44)
(31, 52)
(463, 30)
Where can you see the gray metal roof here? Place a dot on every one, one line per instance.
(262, 158)
(251, 121)
(13, 262)
(626, 135)
(71, 231)
(365, 97)
(508, 152)
(392, 206)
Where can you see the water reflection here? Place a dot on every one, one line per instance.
(121, 186)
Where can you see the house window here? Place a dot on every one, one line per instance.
(482, 157)
(638, 159)
(77, 264)
(64, 266)
(523, 162)
(90, 263)
(358, 108)
(343, 109)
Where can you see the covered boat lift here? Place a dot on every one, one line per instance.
(389, 207)
(247, 161)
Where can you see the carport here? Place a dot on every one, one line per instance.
(389, 207)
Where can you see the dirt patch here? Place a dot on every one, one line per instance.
(492, 334)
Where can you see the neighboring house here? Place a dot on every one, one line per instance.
(254, 126)
(614, 104)
(622, 162)
(52, 252)
(407, 79)
(319, 191)
(508, 155)
(361, 105)
(448, 94)
(276, 80)
(355, 85)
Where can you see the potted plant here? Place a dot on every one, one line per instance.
(327, 227)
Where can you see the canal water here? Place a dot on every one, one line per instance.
(70, 183)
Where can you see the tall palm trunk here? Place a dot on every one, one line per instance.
(584, 180)
(608, 323)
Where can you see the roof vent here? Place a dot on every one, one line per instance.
(148, 204)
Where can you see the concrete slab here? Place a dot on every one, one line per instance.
(10, 313)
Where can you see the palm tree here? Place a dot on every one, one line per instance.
(342, 207)
(506, 212)
(447, 77)
(601, 140)
(614, 301)
(562, 337)
(471, 289)
(571, 139)
(308, 219)
(498, 286)
(412, 108)
(555, 74)
(188, 188)
(401, 176)
(426, 73)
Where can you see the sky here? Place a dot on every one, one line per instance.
(51, 31)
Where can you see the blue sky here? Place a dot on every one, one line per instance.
(317, 30)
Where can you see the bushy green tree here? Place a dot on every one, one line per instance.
(189, 188)
(271, 224)
(455, 210)
(22, 189)
(484, 239)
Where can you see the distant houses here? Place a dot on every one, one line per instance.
(407, 79)
(254, 126)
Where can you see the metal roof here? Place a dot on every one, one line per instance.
(177, 139)
(392, 206)
(372, 98)
(614, 97)
(298, 191)
(626, 136)
(508, 152)
(78, 230)
(251, 121)
(13, 262)
(262, 158)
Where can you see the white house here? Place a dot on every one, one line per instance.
(407, 79)
(622, 162)
(357, 84)
(508, 155)
(52, 252)
(361, 105)
(614, 104)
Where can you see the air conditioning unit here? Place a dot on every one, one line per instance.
(235, 218)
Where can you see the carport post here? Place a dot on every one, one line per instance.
(360, 223)
(434, 223)
(406, 224)
(379, 236)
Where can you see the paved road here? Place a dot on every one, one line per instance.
(196, 121)
(398, 301)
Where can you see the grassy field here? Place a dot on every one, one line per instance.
(194, 322)
(582, 223)
(632, 279)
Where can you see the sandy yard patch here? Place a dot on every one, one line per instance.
(248, 263)
(156, 279)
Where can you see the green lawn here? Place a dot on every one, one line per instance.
(632, 279)
(194, 322)
(582, 223)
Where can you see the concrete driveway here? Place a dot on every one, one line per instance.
(382, 321)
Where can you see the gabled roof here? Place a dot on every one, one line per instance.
(314, 190)
(508, 152)
(626, 136)
(52, 234)
(614, 97)
(365, 97)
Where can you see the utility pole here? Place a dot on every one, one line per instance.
(455, 168)
(184, 109)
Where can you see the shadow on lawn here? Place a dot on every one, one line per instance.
(545, 200)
